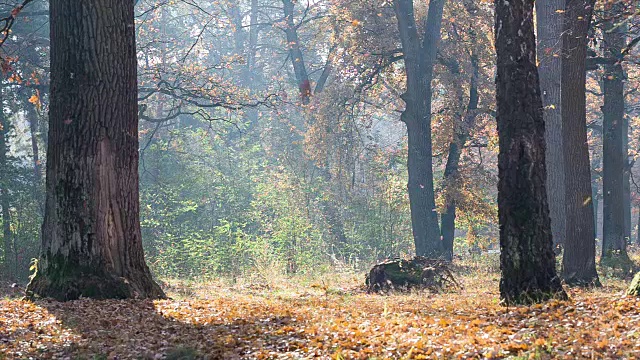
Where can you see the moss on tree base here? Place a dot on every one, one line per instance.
(617, 263)
(64, 283)
(535, 297)
(634, 288)
(575, 281)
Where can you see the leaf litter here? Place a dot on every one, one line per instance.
(228, 323)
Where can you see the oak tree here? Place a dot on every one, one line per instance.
(527, 260)
(91, 243)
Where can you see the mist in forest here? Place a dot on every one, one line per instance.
(279, 134)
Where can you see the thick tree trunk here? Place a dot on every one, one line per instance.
(549, 34)
(578, 263)
(419, 58)
(5, 201)
(614, 159)
(451, 170)
(526, 254)
(91, 244)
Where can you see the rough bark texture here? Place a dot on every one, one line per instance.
(526, 256)
(578, 263)
(451, 170)
(7, 234)
(91, 244)
(419, 57)
(549, 35)
(614, 159)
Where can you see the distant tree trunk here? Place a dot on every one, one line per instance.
(253, 36)
(578, 263)
(549, 28)
(526, 257)
(295, 52)
(614, 159)
(239, 33)
(451, 170)
(32, 117)
(91, 244)
(419, 58)
(329, 209)
(5, 201)
(250, 77)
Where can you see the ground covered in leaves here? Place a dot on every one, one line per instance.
(320, 320)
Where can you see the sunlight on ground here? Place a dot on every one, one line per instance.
(327, 317)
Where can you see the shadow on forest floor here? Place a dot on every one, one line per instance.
(138, 329)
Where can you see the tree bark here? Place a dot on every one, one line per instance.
(614, 159)
(527, 259)
(91, 244)
(578, 263)
(419, 58)
(451, 170)
(549, 35)
(5, 201)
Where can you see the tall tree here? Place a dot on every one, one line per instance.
(330, 210)
(419, 57)
(526, 258)
(614, 158)
(91, 243)
(451, 170)
(578, 262)
(549, 21)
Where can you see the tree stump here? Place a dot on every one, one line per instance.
(634, 288)
(403, 274)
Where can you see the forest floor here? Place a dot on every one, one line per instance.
(332, 318)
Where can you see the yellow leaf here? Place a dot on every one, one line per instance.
(34, 99)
